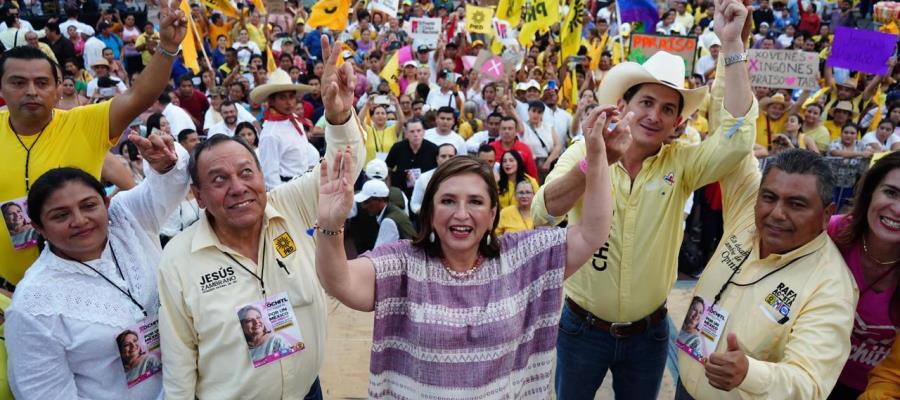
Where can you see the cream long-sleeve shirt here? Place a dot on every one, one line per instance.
(204, 351)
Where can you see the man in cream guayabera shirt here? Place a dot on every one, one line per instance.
(778, 299)
(242, 280)
(614, 317)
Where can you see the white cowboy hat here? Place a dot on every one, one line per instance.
(663, 68)
(279, 81)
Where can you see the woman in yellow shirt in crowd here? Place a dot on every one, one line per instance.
(379, 136)
(517, 217)
(512, 171)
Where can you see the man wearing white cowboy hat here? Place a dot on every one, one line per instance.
(284, 149)
(614, 316)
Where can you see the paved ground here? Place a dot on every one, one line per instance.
(346, 371)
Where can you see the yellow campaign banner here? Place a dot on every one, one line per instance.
(270, 64)
(510, 11)
(391, 73)
(539, 16)
(478, 19)
(331, 14)
(224, 6)
(188, 45)
(571, 30)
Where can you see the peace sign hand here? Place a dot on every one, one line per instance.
(172, 25)
(337, 84)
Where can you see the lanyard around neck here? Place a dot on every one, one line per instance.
(262, 271)
(126, 292)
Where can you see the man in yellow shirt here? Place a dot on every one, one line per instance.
(615, 315)
(250, 249)
(35, 137)
(778, 299)
(771, 120)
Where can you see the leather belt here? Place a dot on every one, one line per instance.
(619, 329)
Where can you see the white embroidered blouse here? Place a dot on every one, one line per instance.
(62, 325)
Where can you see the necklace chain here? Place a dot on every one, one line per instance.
(464, 274)
(877, 261)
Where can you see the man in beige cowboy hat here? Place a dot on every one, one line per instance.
(774, 111)
(615, 316)
(101, 74)
(284, 149)
(842, 114)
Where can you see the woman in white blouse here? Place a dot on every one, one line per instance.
(95, 279)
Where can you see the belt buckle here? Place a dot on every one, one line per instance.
(614, 329)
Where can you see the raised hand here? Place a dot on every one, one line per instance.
(157, 150)
(172, 25)
(725, 371)
(337, 84)
(730, 17)
(616, 141)
(335, 191)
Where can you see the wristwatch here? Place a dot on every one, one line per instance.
(161, 50)
(735, 58)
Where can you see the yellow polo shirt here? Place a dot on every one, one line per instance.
(834, 131)
(75, 138)
(774, 127)
(379, 140)
(800, 358)
(631, 275)
(206, 355)
(821, 136)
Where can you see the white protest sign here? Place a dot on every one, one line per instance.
(788, 69)
(425, 32)
(505, 32)
(388, 7)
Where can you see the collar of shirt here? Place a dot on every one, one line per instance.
(206, 236)
(780, 259)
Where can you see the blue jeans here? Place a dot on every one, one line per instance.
(585, 353)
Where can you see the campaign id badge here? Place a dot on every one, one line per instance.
(702, 328)
(21, 233)
(411, 175)
(139, 350)
(270, 329)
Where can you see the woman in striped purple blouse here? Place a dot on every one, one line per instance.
(459, 312)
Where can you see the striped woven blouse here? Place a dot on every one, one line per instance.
(490, 335)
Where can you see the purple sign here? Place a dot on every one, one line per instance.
(862, 50)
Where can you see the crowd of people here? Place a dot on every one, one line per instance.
(188, 182)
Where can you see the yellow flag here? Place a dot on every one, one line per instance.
(510, 10)
(539, 16)
(573, 99)
(391, 73)
(478, 19)
(259, 6)
(571, 30)
(224, 6)
(270, 65)
(331, 14)
(188, 45)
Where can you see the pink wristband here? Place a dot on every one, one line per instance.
(583, 165)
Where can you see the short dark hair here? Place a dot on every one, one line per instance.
(53, 180)
(182, 136)
(446, 110)
(53, 27)
(508, 118)
(804, 162)
(537, 105)
(486, 148)
(629, 94)
(211, 142)
(186, 77)
(28, 53)
(164, 97)
(450, 145)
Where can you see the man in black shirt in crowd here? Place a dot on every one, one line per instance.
(410, 157)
